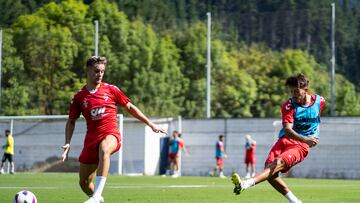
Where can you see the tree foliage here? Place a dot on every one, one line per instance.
(13, 80)
(159, 60)
(292, 24)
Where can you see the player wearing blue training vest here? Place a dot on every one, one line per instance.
(300, 132)
(219, 156)
(175, 146)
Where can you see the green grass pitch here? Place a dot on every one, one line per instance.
(63, 188)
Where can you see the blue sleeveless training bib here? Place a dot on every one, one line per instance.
(306, 119)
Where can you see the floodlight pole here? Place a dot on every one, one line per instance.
(96, 44)
(0, 67)
(332, 109)
(180, 124)
(208, 68)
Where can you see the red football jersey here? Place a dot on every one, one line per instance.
(250, 154)
(100, 111)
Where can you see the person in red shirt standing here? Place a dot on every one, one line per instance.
(97, 102)
(250, 158)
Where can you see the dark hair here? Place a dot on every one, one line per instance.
(221, 136)
(299, 81)
(95, 60)
(7, 131)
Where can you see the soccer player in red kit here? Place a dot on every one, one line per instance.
(250, 158)
(97, 102)
(300, 132)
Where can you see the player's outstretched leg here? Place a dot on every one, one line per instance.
(235, 178)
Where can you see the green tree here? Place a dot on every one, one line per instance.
(73, 15)
(48, 51)
(145, 67)
(15, 93)
(162, 65)
(234, 90)
(346, 100)
(10, 10)
(114, 30)
(193, 45)
(259, 62)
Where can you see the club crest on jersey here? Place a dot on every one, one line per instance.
(288, 106)
(106, 97)
(97, 113)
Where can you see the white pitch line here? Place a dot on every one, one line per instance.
(184, 186)
(155, 186)
(19, 187)
(121, 187)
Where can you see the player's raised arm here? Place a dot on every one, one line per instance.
(134, 111)
(69, 130)
(224, 153)
(183, 147)
(288, 127)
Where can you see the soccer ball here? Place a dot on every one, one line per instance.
(25, 197)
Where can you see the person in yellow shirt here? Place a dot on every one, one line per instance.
(9, 152)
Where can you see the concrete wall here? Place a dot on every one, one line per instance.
(200, 137)
(336, 156)
(38, 140)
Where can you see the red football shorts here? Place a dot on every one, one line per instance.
(172, 156)
(219, 161)
(90, 152)
(250, 158)
(290, 150)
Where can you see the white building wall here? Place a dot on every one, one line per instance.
(133, 148)
(152, 150)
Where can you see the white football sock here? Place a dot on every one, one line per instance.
(99, 186)
(248, 183)
(291, 197)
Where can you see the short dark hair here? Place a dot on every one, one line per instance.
(95, 60)
(221, 136)
(299, 81)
